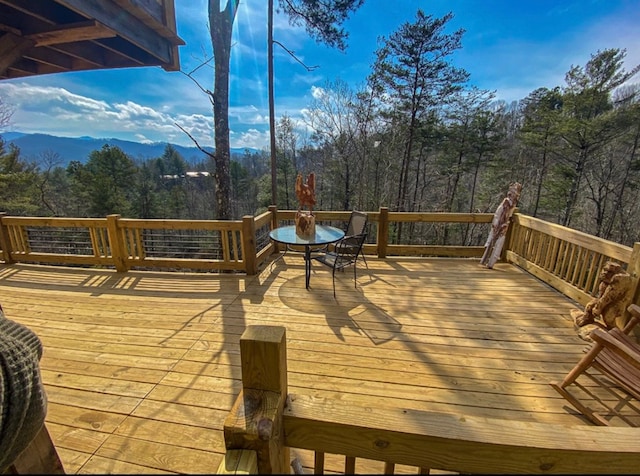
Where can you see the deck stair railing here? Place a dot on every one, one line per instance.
(266, 427)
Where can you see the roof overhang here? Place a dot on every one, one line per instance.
(55, 36)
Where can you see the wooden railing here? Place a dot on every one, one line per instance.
(266, 421)
(127, 243)
(382, 222)
(568, 260)
(238, 245)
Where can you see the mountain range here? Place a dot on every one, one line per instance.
(35, 147)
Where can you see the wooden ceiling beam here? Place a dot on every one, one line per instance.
(71, 33)
(12, 47)
(44, 36)
(124, 24)
(28, 67)
(61, 60)
(10, 29)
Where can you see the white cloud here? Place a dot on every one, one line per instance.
(318, 92)
(142, 139)
(251, 138)
(30, 97)
(53, 110)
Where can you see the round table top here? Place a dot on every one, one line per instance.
(324, 234)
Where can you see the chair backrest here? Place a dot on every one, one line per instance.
(347, 250)
(357, 223)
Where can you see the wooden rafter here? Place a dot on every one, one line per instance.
(11, 49)
(49, 36)
(87, 30)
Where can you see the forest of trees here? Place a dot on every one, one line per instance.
(416, 137)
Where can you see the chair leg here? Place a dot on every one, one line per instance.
(594, 417)
(333, 279)
(355, 282)
(365, 260)
(574, 373)
(585, 362)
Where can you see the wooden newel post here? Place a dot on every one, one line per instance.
(383, 232)
(633, 268)
(255, 420)
(508, 242)
(116, 243)
(5, 242)
(274, 224)
(249, 244)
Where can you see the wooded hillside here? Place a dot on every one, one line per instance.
(416, 137)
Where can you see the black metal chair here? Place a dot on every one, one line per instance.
(345, 253)
(357, 225)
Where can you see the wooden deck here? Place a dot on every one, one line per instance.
(141, 368)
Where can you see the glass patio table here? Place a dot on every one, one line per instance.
(323, 236)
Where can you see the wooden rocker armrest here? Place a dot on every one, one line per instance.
(621, 345)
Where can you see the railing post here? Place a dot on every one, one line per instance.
(633, 268)
(274, 224)
(255, 420)
(5, 243)
(508, 240)
(249, 244)
(383, 232)
(116, 243)
(274, 216)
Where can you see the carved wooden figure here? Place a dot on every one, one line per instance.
(499, 226)
(606, 310)
(306, 192)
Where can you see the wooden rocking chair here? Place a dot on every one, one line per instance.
(616, 356)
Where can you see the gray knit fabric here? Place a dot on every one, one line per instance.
(23, 401)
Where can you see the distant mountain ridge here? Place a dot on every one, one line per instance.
(33, 147)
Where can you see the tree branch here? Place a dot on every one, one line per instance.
(193, 139)
(293, 55)
(195, 81)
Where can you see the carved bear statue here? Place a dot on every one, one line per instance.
(607, 310)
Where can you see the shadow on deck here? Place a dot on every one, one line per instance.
(142, 368)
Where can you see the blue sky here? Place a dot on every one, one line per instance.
(511, 47)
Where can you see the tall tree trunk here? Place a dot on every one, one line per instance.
(221, 27)
(618, 204)
(404, 173)
(575, 187)
(541, 173)
(346, 205)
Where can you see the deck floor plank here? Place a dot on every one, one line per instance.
(141, 368)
